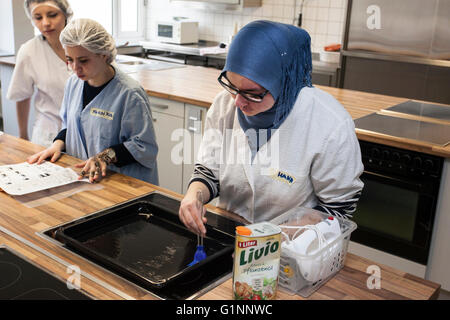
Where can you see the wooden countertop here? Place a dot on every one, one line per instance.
(21, 220)
(8, 60)
(203, 86)
(199, 86)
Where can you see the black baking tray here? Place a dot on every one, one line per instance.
(144, 240)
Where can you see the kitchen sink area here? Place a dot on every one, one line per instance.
(130, 64)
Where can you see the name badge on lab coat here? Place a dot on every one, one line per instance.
(282, 176)
(108, 115)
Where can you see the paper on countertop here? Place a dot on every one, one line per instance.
(213, 50)
(24, 178)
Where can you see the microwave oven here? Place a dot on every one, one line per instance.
(179, 32)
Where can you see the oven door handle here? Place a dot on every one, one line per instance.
(399, 182)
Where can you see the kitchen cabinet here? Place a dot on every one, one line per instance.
(178, 129)
(8, 112)
(168, 122)
(194, 119)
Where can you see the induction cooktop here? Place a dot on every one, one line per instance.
(416, 108)
(20, 279)
(423, 131)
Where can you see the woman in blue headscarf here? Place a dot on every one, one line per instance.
(272, 141)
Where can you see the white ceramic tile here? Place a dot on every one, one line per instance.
(267, 11)
(277, 11)
(332, 39)
(288, 11)
(321, 27)
(227, 20)
(334, 28)
(309, 26)
(335, 14)
(337, 3)
(320, 41)
(311, 13)
(218, 19)
(323, 3)
(322, 14)
(323, 19)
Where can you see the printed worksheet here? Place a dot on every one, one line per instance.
(24, 178)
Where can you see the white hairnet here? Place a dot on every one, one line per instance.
(62, 5)
(90, 35)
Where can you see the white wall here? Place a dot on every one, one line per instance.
(323, 19)
(6, 22)
(15, 27)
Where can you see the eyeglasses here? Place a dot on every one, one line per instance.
(253, 97)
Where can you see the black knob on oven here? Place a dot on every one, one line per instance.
(406, 159)
(386, 155)
(396, 156)
(417, 162)
(375, 152)
(428, 164)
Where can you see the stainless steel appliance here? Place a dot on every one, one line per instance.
(397, 208)
(399, 48)
(144, 242)
(20, 279)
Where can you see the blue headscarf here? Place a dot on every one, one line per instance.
(276, 56)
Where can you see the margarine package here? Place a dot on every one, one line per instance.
(256, 261)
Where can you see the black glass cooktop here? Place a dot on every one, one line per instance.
(441, 112)
(22, 280)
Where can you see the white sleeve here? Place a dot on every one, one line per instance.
(208, 159)
(22, 82)
(336, 172)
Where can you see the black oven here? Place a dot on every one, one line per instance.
(397, 207)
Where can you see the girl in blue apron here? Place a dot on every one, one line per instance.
(106, 117)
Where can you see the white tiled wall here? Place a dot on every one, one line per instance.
(323, 19)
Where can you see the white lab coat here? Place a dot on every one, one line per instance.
(314, 154)
(120, 113)
(38, 66)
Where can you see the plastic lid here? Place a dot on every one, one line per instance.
(243, 231)
(330, 218)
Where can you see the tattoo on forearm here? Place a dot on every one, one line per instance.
(104, 156)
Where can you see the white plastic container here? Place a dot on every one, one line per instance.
(305, 263)
(329, 56)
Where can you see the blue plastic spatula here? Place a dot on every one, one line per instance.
(200, 253)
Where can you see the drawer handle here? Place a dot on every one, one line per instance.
(192, 129)
(160, 106)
